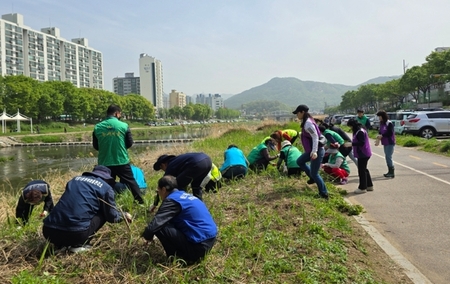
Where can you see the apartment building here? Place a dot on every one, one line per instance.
(127, 85)
(177, 99)
(45, 56)
(213, 101)
(151, 80)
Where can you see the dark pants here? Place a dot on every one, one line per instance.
(260, 164)
(194, 175)
(62, 238)
(364, 175)
(234, 172)
(175, 243)
(126, 176)
(294, 171)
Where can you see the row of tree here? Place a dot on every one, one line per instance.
(53, 99)
(414, 85)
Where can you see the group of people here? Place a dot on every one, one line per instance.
(183, 223)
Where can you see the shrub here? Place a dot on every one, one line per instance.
(445, 147)
(411, 142)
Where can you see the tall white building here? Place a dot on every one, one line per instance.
(151, 75)
(45, 56)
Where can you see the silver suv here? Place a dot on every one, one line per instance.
(428, 124)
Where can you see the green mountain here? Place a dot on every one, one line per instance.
(292, 92)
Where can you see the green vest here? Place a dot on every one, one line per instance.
(332, 160)
(110, 134)
(255, 153)
(291, 154)
(335, 136)
(362, 120)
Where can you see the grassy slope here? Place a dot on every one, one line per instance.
(272, 229)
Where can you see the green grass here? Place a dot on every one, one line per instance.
(272, 229)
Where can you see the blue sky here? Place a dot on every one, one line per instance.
(231, 46)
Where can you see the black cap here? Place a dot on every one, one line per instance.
(301, 108)
(101, 172)
(161, 160)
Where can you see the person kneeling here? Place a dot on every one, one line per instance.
(337, 166)
(182, 223)
(85, 206)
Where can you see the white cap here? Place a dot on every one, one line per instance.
(285, 143)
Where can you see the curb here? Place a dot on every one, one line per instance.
(410, 270)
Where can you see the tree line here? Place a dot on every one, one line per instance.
(413, 85)
(52, 100)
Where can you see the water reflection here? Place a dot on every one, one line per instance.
(35, 162)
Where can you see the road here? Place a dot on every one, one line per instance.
(411, 211)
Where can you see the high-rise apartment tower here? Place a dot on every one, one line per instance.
(45, 56)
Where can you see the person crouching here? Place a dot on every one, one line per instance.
(182, 223)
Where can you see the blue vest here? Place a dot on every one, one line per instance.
(194, 220)
(233, 157)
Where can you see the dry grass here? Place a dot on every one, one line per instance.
(272, 229)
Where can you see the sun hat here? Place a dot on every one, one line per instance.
(285, 143)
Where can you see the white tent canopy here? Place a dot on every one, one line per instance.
(19, 117)
(4, 117)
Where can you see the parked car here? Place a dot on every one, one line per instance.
(399, 122)
(375, 123)
(428, 124)
(336, 118)
(345, 118)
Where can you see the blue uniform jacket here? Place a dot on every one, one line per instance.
(80, 202)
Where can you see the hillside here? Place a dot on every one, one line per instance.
(292, 91)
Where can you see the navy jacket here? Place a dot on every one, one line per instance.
(85, 196)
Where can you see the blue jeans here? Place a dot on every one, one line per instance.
(312, 171)
(388, 151)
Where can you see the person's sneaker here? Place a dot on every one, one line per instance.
(370, 188)
(359, 191)
(344, 181)
(80, 249)
(310, 181)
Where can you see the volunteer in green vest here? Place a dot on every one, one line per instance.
(289, 155)
(336, 166)
(112, 138)
(259, 157)
(363, 119)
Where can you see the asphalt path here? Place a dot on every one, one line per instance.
(412, 210)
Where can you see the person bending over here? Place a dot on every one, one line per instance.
(34, 193)
(182, 223)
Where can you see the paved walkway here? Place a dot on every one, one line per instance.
(412, 210)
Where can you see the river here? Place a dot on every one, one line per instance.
(35, 162)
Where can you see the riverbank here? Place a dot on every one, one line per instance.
(272, 229)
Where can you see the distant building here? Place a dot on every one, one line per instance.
(166, 103)
(441, 49)
(177, 99)
(189, 100)
(151, 80)
(213, 101)
(45, 56)
(127, 85)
